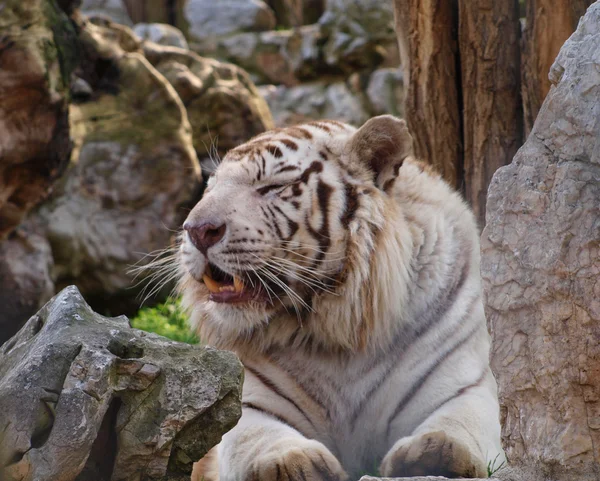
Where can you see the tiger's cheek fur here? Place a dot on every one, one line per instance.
(380, 350)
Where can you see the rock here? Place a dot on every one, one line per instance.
(541, 265)
(26, 265)
(133, 170)
(313, 101)
(161, 33)
(355, 31)
(209, 20)
(418, 478)
(283, 57)
(112, 9)
(312, 10)
(37, 56)
(85, 397)
(288, 13)
(385, 92)
(222, 103)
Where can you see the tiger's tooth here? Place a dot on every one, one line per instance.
(238, 284)
(228, 288)
(212, 285)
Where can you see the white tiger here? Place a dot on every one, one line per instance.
(345, 275)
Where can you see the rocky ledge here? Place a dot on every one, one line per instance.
(86, 397)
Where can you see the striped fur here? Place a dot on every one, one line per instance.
(375, 349)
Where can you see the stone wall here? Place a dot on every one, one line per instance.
(127, 125)
(541, 271)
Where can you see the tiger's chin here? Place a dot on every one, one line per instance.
(224, 317)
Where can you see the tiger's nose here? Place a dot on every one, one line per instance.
(205, 234)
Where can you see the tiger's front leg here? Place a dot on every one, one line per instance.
(262, 448)
(456, 441)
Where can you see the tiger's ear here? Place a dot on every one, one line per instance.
(382, 144)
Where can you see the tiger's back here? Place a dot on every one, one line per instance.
(385, 351)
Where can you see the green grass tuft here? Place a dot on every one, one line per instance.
(492, 468)
(167, 320)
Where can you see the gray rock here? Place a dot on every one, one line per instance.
(37, 56)
(161, 33)
(541, 265)
(85, 397)
(385, 92)
(209, 19)
(355, 31)
(419, 478)
(288, 13)
(282, 57)
(26, 265)
(132, 170)
(223, 105)
(313, 101)
(113, 9)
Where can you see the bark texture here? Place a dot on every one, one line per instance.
(87, 398)
(540, 267)
(489, 59)
(549, 24)
(426, 31)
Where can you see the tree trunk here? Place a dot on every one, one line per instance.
(427, 37)
(492, 119)
(549, 24)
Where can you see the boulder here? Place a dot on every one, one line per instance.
(356, 32)
(133, 169)
(223, 105)
(210, 20)
(132, 173)
(26, 265)
(37, 57)
(87, 398)
(282, 57)
(114, 10)
(418, 478)
(541, 271)
(288, 13)
(161, 33)
(385, 91)
(342, 100)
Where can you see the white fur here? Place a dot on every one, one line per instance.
(398, 255)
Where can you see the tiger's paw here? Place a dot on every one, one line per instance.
(433, 454)
(296, 460)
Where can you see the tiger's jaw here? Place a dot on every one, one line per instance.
(231, 289)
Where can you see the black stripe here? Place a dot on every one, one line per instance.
(268, 188)
(243, 251)
(253, 406)
(274, 151)
(421, 381)
(275, 223)
(315, 167)
(292, 226)
(289, 144)
(324, 192)
(298, 132)
(350, 204)
(286, 168)
(462, 390)
(270, 385)
(319, 125)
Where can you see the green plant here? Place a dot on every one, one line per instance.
(166, 320)
(492, 468)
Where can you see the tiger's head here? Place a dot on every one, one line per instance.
(279, 248)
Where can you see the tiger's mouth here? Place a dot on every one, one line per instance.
(227, 288)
